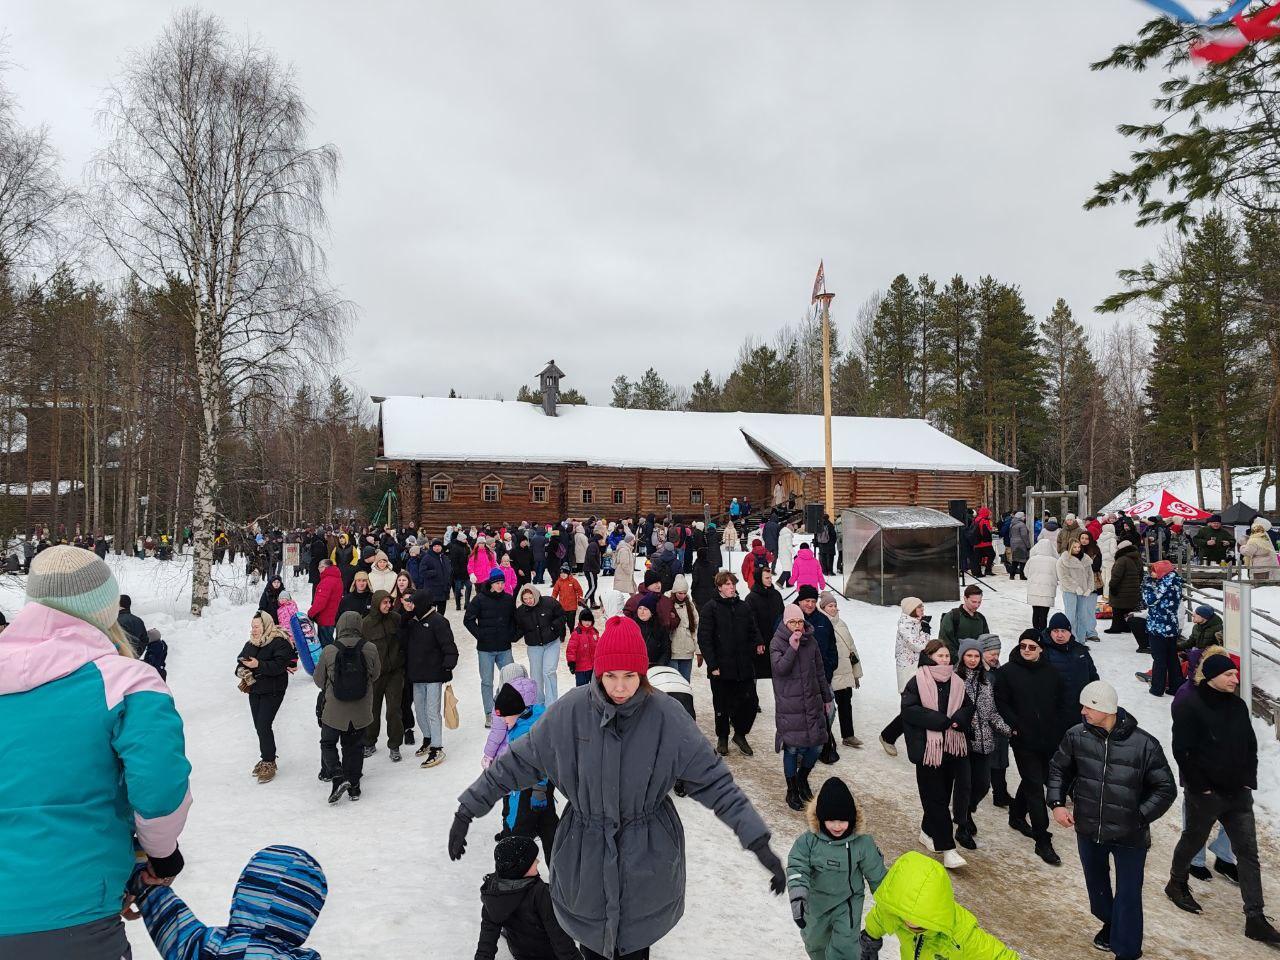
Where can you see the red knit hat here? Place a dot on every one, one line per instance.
(621, 648)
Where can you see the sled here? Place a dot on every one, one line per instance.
(305, 641)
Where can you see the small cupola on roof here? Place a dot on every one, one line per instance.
(549, 383)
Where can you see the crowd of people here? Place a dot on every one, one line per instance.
(633, 607)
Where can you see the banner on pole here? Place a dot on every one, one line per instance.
(1237, 607)
(291, 556)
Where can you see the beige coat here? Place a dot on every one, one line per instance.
(624, 568)
(846, 671)
(684, 638)
(1259, 556)
(1075, 574)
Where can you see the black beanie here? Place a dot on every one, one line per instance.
(508, 702)
(1216, 665)
(807, 592)
(513, 856)
(835, 802)
(651, 577)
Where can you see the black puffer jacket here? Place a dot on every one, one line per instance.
(1121, 782)
(1029, 696)
(491, 619)
(765, 604)
(728, 638)
(458, 557)
(1125, 589)
(918, 720)
(430, 654)
(520, 911)
(542, 623)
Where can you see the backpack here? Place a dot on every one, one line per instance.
(350, 677)
(823, 535)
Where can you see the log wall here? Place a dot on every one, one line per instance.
(564, 485)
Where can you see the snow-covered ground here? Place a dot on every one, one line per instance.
(394, 893)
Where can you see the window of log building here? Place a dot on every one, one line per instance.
(588, 496)
(440, 492)
(490, 493)
(618, 497)
(695, 496)
(539, 494)
(663, 496)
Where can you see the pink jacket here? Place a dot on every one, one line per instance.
(496, 745)
(806, 570)
(284, 613)
(480, 563)
(509, 576)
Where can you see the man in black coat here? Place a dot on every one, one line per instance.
(1074, 663)
(1029, 693)
(765, 603)
(730, 643)
(459, 554)
(430, 657)
(132, 625)
(771, 529)
(1217, 754)
(522, 561)
(1119, 783)
(435, 574)
(538, 548)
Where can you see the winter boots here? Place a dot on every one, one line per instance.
(1181, 896)
(339, 788)
(1257, 927)
(802, 784)
(722, 746)
(369, 750)
(395, 754)
(1020, 824)
(851, 742)
(408, 738)
(1228, 870)
(266, 772)
(793, 793)
(740, 742)
(1045, 851)
(1102, 939)
(1200, 873)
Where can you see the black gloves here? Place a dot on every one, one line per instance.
(799, 906)
(166, 868)
(573, 667)
(870, 948)
(458, 835)
(769, 860)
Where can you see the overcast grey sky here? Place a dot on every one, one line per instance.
(626, 184)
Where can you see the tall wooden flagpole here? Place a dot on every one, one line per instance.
(826, 299)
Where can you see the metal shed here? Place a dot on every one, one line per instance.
(896, 552)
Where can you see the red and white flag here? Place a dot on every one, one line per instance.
(819, 284)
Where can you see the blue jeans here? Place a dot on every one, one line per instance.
(544, 661)
(1123, 907)
(540, 568)
(685, 667)
(1220, 844)
(490, 661)
(795, 759)
(427, 698)
(1081, 609)
(582, 677)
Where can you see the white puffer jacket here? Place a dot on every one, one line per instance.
(1042, 574)
(1075, 574)
(786, 550)
(907, 648)
(1107, 544)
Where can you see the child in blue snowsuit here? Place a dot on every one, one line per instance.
(276, 902)
(531, 812)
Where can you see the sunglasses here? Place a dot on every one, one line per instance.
(1028, 646)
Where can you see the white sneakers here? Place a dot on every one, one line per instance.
(951, 859)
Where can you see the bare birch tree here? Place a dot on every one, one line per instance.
(31, 192)
(207, 176)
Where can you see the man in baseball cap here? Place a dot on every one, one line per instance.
(1119, 782)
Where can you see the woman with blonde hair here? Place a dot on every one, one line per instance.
(264, 665)
(1259, 553)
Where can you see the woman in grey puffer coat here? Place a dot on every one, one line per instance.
(615, 748)
(802, 702)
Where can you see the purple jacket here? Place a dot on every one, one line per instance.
(800, 690)
(496, 745)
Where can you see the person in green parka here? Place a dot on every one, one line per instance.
(916, 904)
(829, 866)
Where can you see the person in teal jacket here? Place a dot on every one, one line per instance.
(94, 763)
(916, 904)
(830, 865)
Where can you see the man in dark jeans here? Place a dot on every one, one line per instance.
(1119, 781)
(1217, 755)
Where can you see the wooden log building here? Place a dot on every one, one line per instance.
(484, 461)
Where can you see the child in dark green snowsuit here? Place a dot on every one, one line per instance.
(828, 868)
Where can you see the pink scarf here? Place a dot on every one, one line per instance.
(927, 680)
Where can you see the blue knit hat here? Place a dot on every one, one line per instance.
(496, 575)
(1059, 621)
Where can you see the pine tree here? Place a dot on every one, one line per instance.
(956, 330)
(848, 385)
(1070, 375)
(761, 382)
(622, 392)
(705, 394)
(651, 392)
(892, 358)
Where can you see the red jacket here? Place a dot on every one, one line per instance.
(581, 651)
(749, 562)
(1094, 527)
(324, 604)
(982, 528)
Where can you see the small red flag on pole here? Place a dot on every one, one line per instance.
(819, 284)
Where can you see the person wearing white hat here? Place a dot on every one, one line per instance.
(1119, 782)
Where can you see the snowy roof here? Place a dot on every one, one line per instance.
(905, 518)
(1182, 484)
(451, 429)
